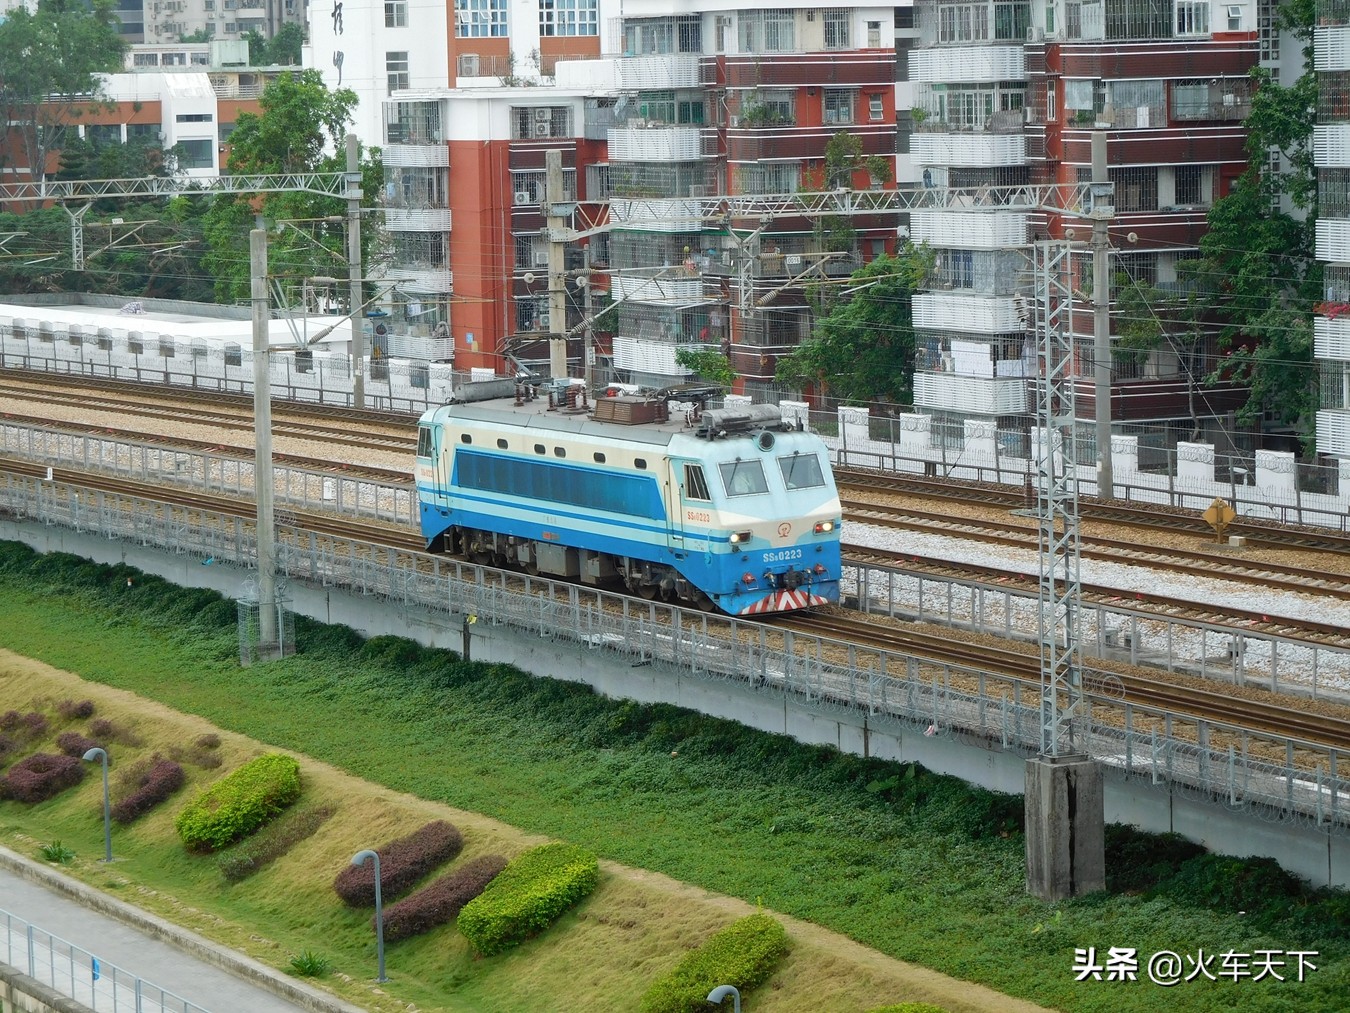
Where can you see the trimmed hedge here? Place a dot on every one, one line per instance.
(162, 779)
(42, 776)
(402, 863)
(273, 841)
(239, 803)
(528, 896)
(440, 903)
(743, 954)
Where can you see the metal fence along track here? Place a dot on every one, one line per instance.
(1275, 777)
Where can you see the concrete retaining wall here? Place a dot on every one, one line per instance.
(1310, 852)
(22, 994)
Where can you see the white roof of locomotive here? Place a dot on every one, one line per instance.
(536, 415)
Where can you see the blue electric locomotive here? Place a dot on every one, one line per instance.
(730, 509)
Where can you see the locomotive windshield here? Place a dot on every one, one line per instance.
(743, 478)
(424, 441)
(801, 471)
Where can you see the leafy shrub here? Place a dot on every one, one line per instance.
(8, 747)
(440, 903)
(10, 721)
(71, 710)
(1137, 861)
(239, 803)
(56, 852)
(74, 744)
(271, 842)
(311, 965)
(108, 731)
(24, 727)
(402, 863)
(162, 779)
(42, 776)
(528, 896)
(742, 954)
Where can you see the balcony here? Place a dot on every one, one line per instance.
(415, 278)
(417, 219)
(646, 356)
(668, 288)
(1331, 145)
(1332, 47)
(663, 72)
(974, 64)
(1333, 240)
(1331, 336)
(950, 311)
(655, 143)
(656, 214)
(975, 395)
(416, 156)
(968, 230)
(968, 149)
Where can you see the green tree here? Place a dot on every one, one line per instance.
(1258, 260)
(302, 128)
(50, 62)
(200, 35)
(283, 49)
(863, 346)
(257, 48)
(708, 363)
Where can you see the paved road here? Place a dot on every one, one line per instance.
(136, 953)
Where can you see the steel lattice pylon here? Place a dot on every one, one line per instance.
(1057, 502)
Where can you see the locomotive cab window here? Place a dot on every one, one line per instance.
(424, 443)
(501, 444)
(599, 457)
(559, 452)
(465, 438)
(640, 463)
(538, 448)
(743, 478)
(695, 483)
(801, 471)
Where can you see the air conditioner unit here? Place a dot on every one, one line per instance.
(541, 258)
(542, 115)
(541, 129)
(1035, 34)
(468, 65)
(523, 197)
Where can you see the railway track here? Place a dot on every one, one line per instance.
(230, 412)
(1190, 562)
(1149, 515)
(1165, 607)
(1271, 716)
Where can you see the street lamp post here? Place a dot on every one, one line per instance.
(721, 992)
(360, 858)
(99, 753)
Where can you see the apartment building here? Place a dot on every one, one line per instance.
(1006, 93)
(1331, 150)
(684, 106)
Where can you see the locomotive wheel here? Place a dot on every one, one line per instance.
(704, 604)
(648, 591)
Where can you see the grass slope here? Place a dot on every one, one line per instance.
(918, 867)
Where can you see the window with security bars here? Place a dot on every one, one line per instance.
(1137, 19)
(1192, 18)
(480, 19)
(1333, 192)
(648, 36)
(768, 177)
(963, 22)
(766, 31)
(540, 122)
(765, 107)
(836, 25)
(395, 13)
(569, 17)
(415, 187)
(1223, 98)
(1333, 96)
(1193, 185)
(660, 179)
(418, 249)
(837, 105)
(1336, 283)
(1136, 188)
(396, 69)
(1012, 22)
(648, 250)
(412, 122)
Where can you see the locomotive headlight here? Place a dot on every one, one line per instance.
(740, 537)
(823, 527)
